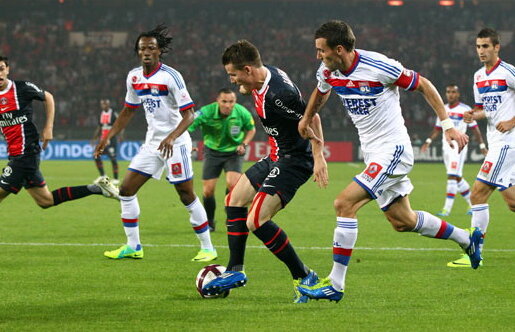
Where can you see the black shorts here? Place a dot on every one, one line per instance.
(110, 150)
(215, 161)
(21, 172)
(283, 177)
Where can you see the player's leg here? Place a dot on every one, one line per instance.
(211, 170)
(198, 221)
(100, 166)
(3, 194)
(452, 189)
(509, 197)
(180, 174)
(131, 184)
(464, 190)
(208, 197)
(111, 153)
(454, 166)
(404, 219)
(236, 204)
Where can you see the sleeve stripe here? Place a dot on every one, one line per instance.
(132, 105)
(186, 107)
(176, 77)
(508, 68)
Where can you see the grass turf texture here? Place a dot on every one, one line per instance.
(54, 276)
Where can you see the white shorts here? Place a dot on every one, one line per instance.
(454, 160)
(386, 176)
(149, 161)
(498, 169)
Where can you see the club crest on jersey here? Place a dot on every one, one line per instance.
(154, 90)
(486, 168)
(176, 170)
(327, 73)
(372, 171)
(135, 79)
(454, 165)
(7, 171)
(364, 87)
(3, 101)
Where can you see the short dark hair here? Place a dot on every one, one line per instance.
(4, 59)
(225, 90)
(489, 33)
(160, 33)
(337, 33)
(240, 54)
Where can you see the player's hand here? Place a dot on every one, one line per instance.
(424, 148)
(320, 173)
(468, 116)
(241, 149)
(303, 127)
(505, 126)
(166, 147)
(99, 149)
(46, 136)
(455, 137)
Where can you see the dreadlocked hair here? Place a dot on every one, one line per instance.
(160, 33)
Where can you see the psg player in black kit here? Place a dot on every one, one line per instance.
(273, 181)
(23, 147)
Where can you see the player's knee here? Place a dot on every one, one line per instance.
(124, 191)
(398, 224)
(343, 207)
(45, 203)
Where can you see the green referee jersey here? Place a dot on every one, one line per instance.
(222, 134)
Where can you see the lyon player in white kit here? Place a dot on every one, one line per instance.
(168, 108)
(452, 158)
(367, 84)
(494, 93)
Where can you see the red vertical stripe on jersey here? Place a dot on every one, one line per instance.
(15, 139)
(273, 148)
(259, 102)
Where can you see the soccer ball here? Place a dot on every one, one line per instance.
(205, 275)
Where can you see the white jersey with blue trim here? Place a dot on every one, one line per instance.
(369, 92)
(494, 92)
(455, 113)
(163, 95)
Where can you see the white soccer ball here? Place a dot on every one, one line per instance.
(205, 275)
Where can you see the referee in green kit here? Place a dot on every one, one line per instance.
(227, 128)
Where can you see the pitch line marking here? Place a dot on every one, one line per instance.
(41, 244)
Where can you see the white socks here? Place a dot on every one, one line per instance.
(198, 220)
(345, 236)
(130, 215)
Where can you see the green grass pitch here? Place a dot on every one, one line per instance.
(53, 275)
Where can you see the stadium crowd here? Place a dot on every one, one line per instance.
(38, 44)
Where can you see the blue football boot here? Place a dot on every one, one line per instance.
(310, 280)
(322, 290)
(224, 282)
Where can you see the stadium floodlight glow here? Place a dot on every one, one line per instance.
(446, 2)
(395, 2)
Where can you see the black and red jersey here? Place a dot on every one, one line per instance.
(16, 124)
(280, 107)
(107, 119)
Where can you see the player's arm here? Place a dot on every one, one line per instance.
(121, 122)
(166, 145)
(475, 114)
(316, 101)
(505, 126)
(479, 138)
(434, 134)
(433, 98)
(320, 173)
(249, 135)
(47, 134)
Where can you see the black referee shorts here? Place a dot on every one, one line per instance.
(216, 161)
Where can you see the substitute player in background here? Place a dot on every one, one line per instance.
(453, 159)
(227, 128)
(368, 85)
(107, 118)
(23, 149)
(168, 111)
(494, 93)
(271, 183)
